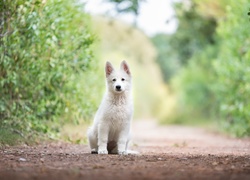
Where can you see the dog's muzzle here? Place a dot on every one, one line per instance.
(118, 88)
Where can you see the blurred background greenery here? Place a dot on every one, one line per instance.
(53, 54)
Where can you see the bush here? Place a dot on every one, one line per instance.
(193, 88)
(232, 68)
(45, 50)
(215, 83)
(185, 58)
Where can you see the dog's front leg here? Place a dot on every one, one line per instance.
(122, 142)
(103, 132)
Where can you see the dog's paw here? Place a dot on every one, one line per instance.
(103, 151)
(122, 152)
(94, 152)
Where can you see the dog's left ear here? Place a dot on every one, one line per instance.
(124, 66)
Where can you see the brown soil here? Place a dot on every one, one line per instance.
(172, 152)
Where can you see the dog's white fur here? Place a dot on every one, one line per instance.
(110, 132)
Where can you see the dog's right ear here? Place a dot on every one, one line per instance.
(108, 69)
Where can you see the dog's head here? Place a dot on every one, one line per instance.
(118, 81)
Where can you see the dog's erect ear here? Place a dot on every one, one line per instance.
(108, 69)
(124, 66)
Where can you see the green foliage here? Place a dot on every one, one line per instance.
(213, 82)
(10, 137)
(194, 88)
(45, 50)
(185, 58)
(166, 58)
(127, 6)
(194, 33)
(233, 68)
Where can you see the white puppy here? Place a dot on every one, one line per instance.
(110, 131)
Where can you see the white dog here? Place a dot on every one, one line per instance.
(110, 132)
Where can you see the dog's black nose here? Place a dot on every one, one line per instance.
(118, 87)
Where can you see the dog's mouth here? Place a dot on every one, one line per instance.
(118, 90)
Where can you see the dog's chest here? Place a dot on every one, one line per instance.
(118, 114)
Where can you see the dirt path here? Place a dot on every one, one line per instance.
(171, 152)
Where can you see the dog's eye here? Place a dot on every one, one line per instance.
(123, 79)
(114, 80)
